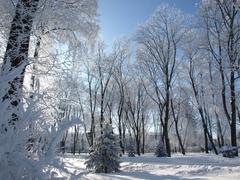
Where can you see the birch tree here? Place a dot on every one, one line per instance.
(16, 58)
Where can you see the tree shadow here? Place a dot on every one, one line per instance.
(185, 160)
(144, 175)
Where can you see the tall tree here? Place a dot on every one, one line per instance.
(16, 56)
(159, 40)
(221, 23)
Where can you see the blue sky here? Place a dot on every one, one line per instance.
(121, 17)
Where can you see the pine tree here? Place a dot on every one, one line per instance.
(103, 156)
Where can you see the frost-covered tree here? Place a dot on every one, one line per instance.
(13, 132)
(135, 106)
(221, 24)
(16, 58)
(104, 157)
(159, 42)
(25, 122)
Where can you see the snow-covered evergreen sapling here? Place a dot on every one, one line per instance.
(131, 151)
(103, 156)
(229, 151)
(160, 150)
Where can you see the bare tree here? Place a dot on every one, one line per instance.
(134, 106)
(120, 76)
(159, 40)
(222, 30)
(199, 96)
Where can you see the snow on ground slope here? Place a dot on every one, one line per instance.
(148, 167)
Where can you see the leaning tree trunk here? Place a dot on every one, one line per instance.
(219, 128)
(175, 118)
(16, 56)
(207, 135)
(205, 138)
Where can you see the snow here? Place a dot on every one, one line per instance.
(178, 167)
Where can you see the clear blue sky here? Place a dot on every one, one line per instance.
(121, 17)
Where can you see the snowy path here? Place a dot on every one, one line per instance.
(148, 167)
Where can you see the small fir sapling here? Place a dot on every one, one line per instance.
(160, 150)
(104, 156)
(131, 151)
(229, 151)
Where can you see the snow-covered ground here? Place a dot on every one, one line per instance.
(178, 167)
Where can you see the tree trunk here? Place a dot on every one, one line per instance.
(219, 132)
(205, 139)
(63, 142)
(33, 77)
(16, 56)
(206, 132)
(102, 112)
(120, 133)
(167, 141)
(143, 135)
(219, 128)
(120, 129)
(233, 108)
(200, 110)
(92, 103)
(75, 139)
(123, 136)
(165, 127)
(138, 144)
(175, 118)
